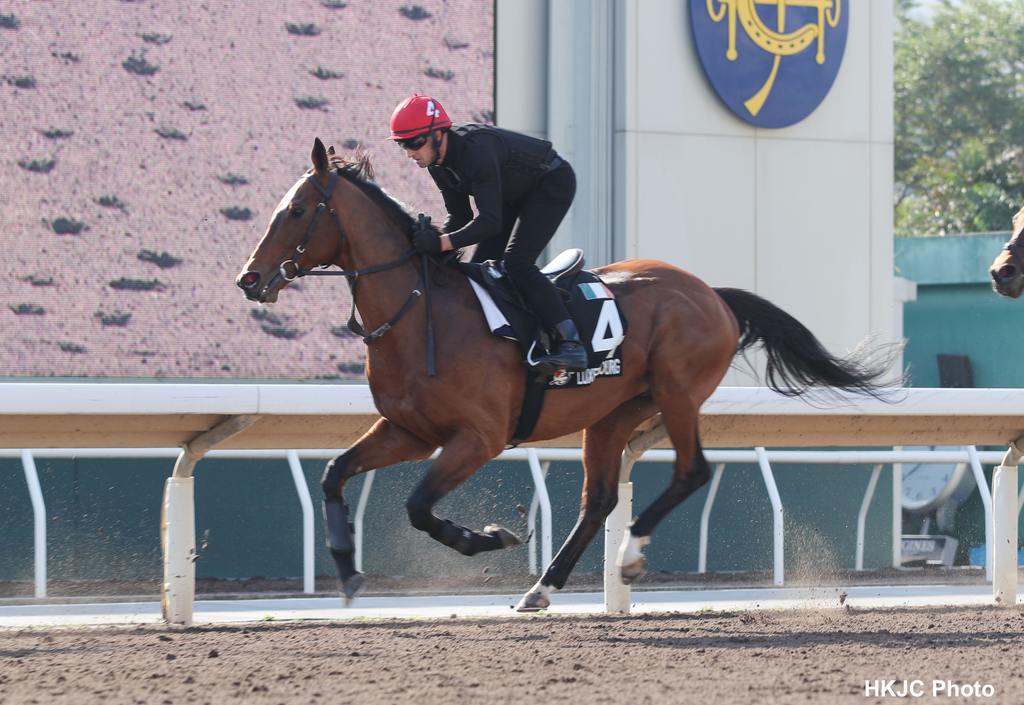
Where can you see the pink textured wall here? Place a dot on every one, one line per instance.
(237, 60)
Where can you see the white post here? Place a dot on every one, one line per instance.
(705, 518)
(35, 494)
(540, 489)
(299, 478)
(178, 520)
(531, 521)
(986, 501)
(357, 524)
(178, 540)
(616, 593)
(1004, 551)
(778, 571)
(862, 516)
(897, 512)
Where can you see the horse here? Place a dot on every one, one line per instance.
(682, 338)
(1007, 268)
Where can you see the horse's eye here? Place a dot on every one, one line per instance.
(297, 212)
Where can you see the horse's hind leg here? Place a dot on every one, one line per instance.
(602, 454)
(691, 471)
(384, 444)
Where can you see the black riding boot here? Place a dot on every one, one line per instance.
(568, 353)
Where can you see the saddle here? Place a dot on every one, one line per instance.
(591, 305)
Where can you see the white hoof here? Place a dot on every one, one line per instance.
(631, 560)
(537, 599)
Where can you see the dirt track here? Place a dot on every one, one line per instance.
(754, 657)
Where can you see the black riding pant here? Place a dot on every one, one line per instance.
(529, 226)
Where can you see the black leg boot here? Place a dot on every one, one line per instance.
(569, 353)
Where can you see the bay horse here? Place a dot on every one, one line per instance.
(1007, 269)
(682, 338)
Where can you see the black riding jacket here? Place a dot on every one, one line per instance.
(495, 167)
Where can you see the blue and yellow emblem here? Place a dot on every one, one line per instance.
(771, 62)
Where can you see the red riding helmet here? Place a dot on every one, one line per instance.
(418, 115)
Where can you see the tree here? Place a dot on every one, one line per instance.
(959, 104)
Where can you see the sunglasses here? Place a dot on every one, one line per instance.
(413, 143)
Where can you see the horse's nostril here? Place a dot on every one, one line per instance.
(1006, 271)
(249, 280)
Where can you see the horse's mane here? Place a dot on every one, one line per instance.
(358, 170)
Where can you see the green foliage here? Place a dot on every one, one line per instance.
(115, 318)
(126, 284)
(68, 226)
(413, 12)
(443, 74)
(302, 29)
(38, 166)
(958, 100)
(163, 260)
(155, 38)
(171, 133)
(137, 64)
(9, 21)
(25, 82)
(236, 213)
(112, 202)
(232, 179)
(352, 368)
(55, 133)
(311, 103)
(37, 280)
(453, 42)
(326, 74)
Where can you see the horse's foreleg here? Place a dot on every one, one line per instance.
(461, 457)
(384, 444)
(602, 452)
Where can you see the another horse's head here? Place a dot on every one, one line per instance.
(304, 233)
(1007, 269)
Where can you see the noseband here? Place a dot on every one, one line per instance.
(289, 270)
(1016, 249)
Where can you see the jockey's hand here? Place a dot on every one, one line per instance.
(426, 241)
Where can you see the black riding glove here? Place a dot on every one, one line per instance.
(424, 238)
(426, 241)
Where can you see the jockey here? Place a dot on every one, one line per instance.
(521, 188)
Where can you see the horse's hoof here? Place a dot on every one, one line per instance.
(506, 537)
(533, 602)
(351, 588)
(631, 561)
(632, 571)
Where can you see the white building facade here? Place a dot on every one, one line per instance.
(801, 214)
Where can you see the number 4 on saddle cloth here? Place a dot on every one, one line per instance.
(591, 304)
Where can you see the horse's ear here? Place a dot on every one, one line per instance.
(330, 151)
(319, 156)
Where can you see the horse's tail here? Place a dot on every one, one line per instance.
(797, 361)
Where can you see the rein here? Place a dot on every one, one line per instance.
(289, 270)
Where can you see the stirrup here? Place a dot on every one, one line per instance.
(573, 359)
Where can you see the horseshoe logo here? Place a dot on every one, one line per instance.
(796, 26)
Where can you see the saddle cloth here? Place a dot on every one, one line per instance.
(591, 304)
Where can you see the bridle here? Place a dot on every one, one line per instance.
(289, 270)
(1016, 249)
